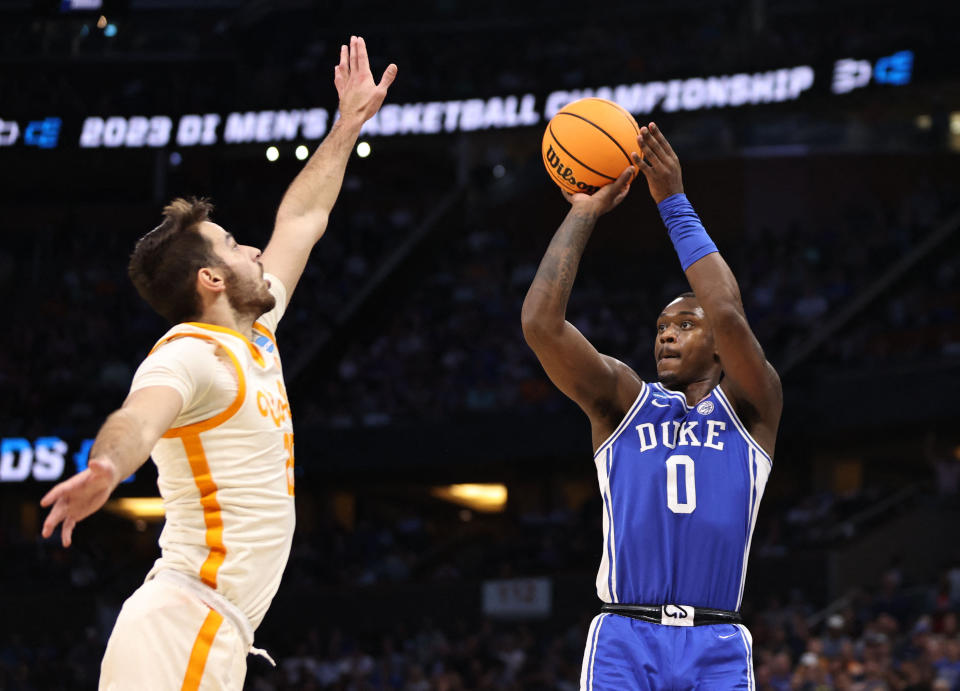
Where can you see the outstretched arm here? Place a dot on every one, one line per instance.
(750, 381)
(306, 206)
(122, 445)
(602, 386)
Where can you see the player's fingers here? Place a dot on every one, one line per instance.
(622, 194)
(620, 186)
(66, 533)
(651, 144)
(51, 496)
(639, 161)
(354, 57)
(623, 179)
(363, 61)
(661, 140)
(344, 58)
(53, 520)
(389, 75)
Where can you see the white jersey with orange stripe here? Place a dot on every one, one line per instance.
(226, 466)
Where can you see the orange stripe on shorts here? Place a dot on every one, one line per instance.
(201, 649)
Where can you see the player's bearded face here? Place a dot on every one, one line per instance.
(248, 295)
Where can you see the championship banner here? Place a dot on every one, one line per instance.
(469, 115)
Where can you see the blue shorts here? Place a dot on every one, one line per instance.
(624, 654)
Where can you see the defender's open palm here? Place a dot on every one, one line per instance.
(360, 96)
(76, 498)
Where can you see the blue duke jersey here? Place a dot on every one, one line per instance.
(681, 487)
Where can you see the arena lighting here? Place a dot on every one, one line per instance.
(302, 152)
(486, 498)
(955, 122)
(273, 153)
(363, 149)
(136, 508)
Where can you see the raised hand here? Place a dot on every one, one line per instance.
(659, 165)
(605, 198)
(360, 96)
(76, 498)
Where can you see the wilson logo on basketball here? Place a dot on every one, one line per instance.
(565, 172)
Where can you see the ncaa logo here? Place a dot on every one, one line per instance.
(264, 342)
(705, 408)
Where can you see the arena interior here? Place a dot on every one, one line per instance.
(448, 519)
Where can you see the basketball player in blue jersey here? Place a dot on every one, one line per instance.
(682, 462)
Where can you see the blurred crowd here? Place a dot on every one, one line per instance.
(455, 344)
(896, 636)
(449, 342)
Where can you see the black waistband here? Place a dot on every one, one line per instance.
(655, 613)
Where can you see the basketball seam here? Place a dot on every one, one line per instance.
(597, 172)
(619, 108)
(609, 136)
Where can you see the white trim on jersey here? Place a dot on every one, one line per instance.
(603, 458)
(590, 652)
(758, 482)
(751, 515)
(607, 574)
(637, 402)
(748, 645)
(725, 402)
(603, 574)
(613, 532)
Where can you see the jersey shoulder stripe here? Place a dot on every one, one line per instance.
(219, 418)
(637, 403)
(725, 402)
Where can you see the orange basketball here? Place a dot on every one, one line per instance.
(588, 144)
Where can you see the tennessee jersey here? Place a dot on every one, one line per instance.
(226, 466)
(681, 487)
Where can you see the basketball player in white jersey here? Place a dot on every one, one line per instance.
(209, 404)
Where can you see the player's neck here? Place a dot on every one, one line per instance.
(698, 389)
(221, 314)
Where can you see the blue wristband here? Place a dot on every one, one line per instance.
(689, 237)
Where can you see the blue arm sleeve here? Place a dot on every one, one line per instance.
(686, 231)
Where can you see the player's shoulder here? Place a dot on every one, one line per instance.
(183, 340)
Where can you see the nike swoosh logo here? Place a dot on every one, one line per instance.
(660, 405)
(725, 637)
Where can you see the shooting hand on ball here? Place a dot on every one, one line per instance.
(605, 198)
(659, 165)
(360, 96)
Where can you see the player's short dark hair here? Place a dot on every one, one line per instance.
(165, 261)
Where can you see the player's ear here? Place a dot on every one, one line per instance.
(211, 278)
